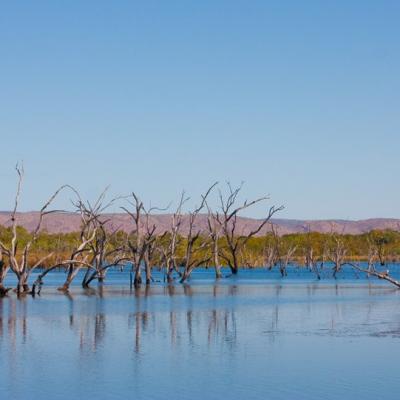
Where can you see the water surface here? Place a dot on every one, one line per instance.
(252, 337)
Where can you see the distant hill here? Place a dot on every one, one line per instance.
(69, 222)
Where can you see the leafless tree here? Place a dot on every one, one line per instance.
(104, 255)
(136, 243)
(169, 242)
(270, 255)
(372, 254)
(192, 238)
(150, 240)
(310, 258)
(214, 232)
(19, 261)
(85, 253)
(285, 259)
(228, 223)
(283, 253)
(336, 253)
(381, 275)
(3, 273)
(141, 240)
(380, 242)
(81, 256)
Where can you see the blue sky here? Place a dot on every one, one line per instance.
(298, 99)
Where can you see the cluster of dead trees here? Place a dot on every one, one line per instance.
(100, 248)
(176, 251)
(330, 255)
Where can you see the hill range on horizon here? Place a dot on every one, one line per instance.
(70, 222)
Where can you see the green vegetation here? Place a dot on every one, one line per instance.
(253, 254)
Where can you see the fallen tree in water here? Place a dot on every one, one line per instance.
(381, 275)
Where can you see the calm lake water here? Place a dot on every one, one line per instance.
(254, 336)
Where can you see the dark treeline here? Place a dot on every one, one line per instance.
(96, 248)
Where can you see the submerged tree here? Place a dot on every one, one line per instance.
(227, 220)
(3, 273)
(19, 260)
(309, 254)
(79, 257)
(214, 233)
(169, 241)
(190, 262)
(283, 251)
(140, 241)
(336, 253)
(378, 274)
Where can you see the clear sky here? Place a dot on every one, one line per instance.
(299, 99)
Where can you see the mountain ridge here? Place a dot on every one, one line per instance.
(64, 222)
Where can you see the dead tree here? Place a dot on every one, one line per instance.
(249, 258)
(80, 256)
(170, 241)
(285, 259)
(84, 255)
(270, 256)
(228, 223)
(380, 241)
(310, 259)
(380, 275)
(283, 253)
(150, 240)
(141, 240)
(214, 233)
(192, 238)
(372, 254)
(19, 261)
(87, 253)
(336, 253)
(311, 262)
(104, 255)
(4, 267)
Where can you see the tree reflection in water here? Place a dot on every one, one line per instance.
(188, 316)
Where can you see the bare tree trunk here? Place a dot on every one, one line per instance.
(337, 254)
(3, 273)
(101, 276)
(170, 270)
(138, 276)
(147, 264)
(217, 265)
(72, 272)
(234, 265)
(381, 275)
(22, 283)
(85, 280)
(228, 223)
